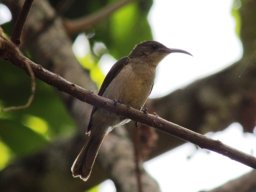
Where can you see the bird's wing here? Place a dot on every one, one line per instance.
(116, 68)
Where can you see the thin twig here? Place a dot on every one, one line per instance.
(16, 35)
(79, 25)
(18, 27)
(8, 51)
(31, 96)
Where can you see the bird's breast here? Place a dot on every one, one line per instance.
(131, 87)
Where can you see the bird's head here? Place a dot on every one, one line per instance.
(153, 52)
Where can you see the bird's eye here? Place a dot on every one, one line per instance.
(154, 46)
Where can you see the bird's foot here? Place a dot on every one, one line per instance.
(154, 113)
(145, 110)
(115, 101)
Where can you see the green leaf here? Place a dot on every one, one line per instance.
(5, 155)
(89, 63)
(19, 138)
(125, 28)
(47, 105)
(129, 26)
(236, 15)
(94, 189)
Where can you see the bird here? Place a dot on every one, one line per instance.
(129, 81)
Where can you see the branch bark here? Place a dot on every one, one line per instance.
(16, 35)
(245, 183)
(11, 53)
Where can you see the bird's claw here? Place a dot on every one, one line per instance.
(145, 110)
(115, 101)
(154, 113)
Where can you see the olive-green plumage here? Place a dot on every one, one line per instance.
(130, 82)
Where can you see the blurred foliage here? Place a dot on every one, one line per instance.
(95, 189)
(235, 13)
(125, 28)
(5, 155)
(26, 131)
(119, 32)
(19, 138)
(88, 62)
(7, 27)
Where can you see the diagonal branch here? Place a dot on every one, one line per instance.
(244, 183)
(9, 51)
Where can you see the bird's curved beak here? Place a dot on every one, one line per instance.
(173, 50)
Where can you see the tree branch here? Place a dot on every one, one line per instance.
(79, 25)
(245, 183)
(9, 51)
(186, 106)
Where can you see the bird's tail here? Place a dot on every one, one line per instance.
(84, 162)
